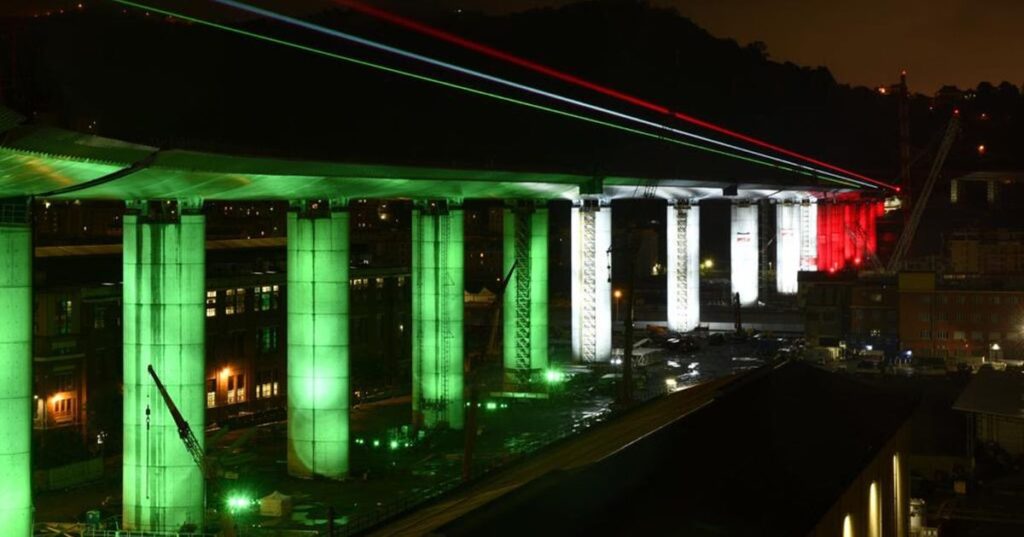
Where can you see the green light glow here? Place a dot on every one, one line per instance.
(164, 325)
(237, 503)
(318, 345)
(553, 376)
(393, 445)
(16, 380)
(538, 292)
(467, 89)
(437, 315)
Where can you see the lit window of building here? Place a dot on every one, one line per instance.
(64, 309)
(267, 339)
(211, 303)
(266, 297)
(211, 393)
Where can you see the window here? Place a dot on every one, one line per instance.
(978, 299)
(926, 299)
(211, 393)
(996, 300)
(266, 384)
(959, 335)
(236, 389)
(211, 303)
(234, 301)
(266, 297)
(379, 282)
(858, 314)
(62, 409)
(977, 317)
(925, 334)
(924, 316)
(876, 332)
(994, 336)
(994, 317)
(941, 335)
(976, 335)
(99, 317)
(875, 297)
(961, 299)
(64, 309)
(960, 315)
(401, 281)
(943, 299)
(1013, 300)
(267, 339)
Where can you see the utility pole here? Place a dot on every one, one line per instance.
(626, 387)
(904, 119)
(469, 444)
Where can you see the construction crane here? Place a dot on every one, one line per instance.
(917, 210)
(184, 431)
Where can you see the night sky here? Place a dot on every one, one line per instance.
(867, 42)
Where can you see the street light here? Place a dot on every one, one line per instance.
(618, 295)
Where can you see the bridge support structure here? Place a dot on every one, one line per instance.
(683, 267)
(526, 296)
(318, 339)
(744, 252)
(788, 246)
(164, 297)
(591, 235)
(438, 298)
(808, 223)
(16, 371)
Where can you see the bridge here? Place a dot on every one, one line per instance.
(164, 291)
(824, 221)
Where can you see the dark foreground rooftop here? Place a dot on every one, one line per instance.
(767, 457)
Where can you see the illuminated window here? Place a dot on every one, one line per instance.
(959, 335)
(266, 297)
(62, 409)
(401, 281)
(266, 384)
(211, 303)
(211, 393)
(64, 309)
(231, 390)
(234, 301)
(379, 283)
(267, 339)
(847, 526)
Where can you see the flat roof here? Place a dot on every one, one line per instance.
(993, 392)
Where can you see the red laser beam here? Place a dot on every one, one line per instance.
(565, 77)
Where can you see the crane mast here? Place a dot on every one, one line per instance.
(184, 430)
(907, 237)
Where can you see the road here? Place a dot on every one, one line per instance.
(588, 448)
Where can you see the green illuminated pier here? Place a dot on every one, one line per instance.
(16, 379)
(318, 344)
(164, 325)
(437, 313)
